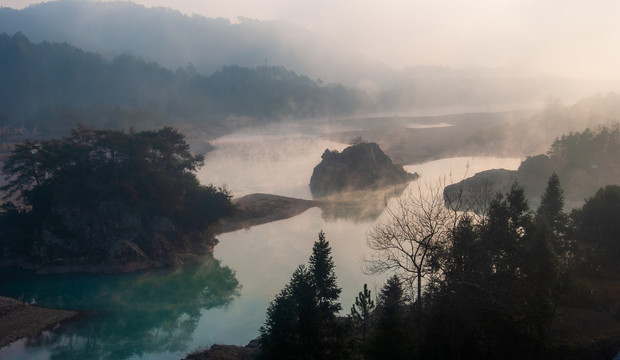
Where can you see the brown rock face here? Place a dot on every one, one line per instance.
(358, 167)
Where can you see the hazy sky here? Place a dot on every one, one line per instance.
(576, 38)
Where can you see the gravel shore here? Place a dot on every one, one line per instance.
(20, 320)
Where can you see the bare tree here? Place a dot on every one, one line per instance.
(415, 229)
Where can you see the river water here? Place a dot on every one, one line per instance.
(165, 314)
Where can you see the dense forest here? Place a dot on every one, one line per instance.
(107, 197)
(499, 285)
(53, 87)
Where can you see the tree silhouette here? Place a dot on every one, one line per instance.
(324, 277)
(301, 321)
(361, 310)
(389, 339)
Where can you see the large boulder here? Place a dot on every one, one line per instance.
(358, 167)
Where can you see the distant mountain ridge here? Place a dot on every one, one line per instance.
(175, 40)
(54, 87)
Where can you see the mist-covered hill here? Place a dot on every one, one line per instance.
(53, 87)
(175, 40)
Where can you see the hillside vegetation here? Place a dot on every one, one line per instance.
(53, 87)
(107, 201)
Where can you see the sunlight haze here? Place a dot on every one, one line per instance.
(574, 39)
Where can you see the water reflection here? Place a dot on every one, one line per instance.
(359, 206)
(127, 314)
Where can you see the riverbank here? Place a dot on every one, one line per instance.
(20, 320)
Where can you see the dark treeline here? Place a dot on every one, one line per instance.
(495, 285)
(81, 196)
(53, 87)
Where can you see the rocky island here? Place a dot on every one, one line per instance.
(358, 167)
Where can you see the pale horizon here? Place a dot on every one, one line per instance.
(557, 38)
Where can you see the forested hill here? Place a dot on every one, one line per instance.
(52, 87)
(173, 39)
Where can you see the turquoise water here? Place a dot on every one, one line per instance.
(165, 314)
(128, 315)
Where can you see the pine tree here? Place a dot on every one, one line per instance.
(551, 210)
(322, 270)
(301, 322)
(361, 310)
(327, 292)
(389, 339)
(291, 329)
(278, 336)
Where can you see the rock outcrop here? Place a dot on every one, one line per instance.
(358, 167)
(471, 191)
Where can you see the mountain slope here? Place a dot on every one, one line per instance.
(55, 86)
(174, 40)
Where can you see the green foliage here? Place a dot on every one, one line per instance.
(498, 287)
(322, 270)
(390, 339)
(597, 229)
(584, 161)
(291, 329)
(552, 206)
(362, 309)
(301, 322)
(54, 87)
(149, 171)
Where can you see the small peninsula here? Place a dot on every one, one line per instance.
(106, 201)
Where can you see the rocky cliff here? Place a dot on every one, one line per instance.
(361, 166)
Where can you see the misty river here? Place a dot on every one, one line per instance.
(165, 314)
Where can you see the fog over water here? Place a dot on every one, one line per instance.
(265, 256)
(276, 159)
(443, 78)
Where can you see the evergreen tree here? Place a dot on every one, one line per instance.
(291, 329)
(327, 292)
(597, 228)
(552, 206)
(551, 212)
(322, 270)
(389, 340)
(361, 310)
(301, 322)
